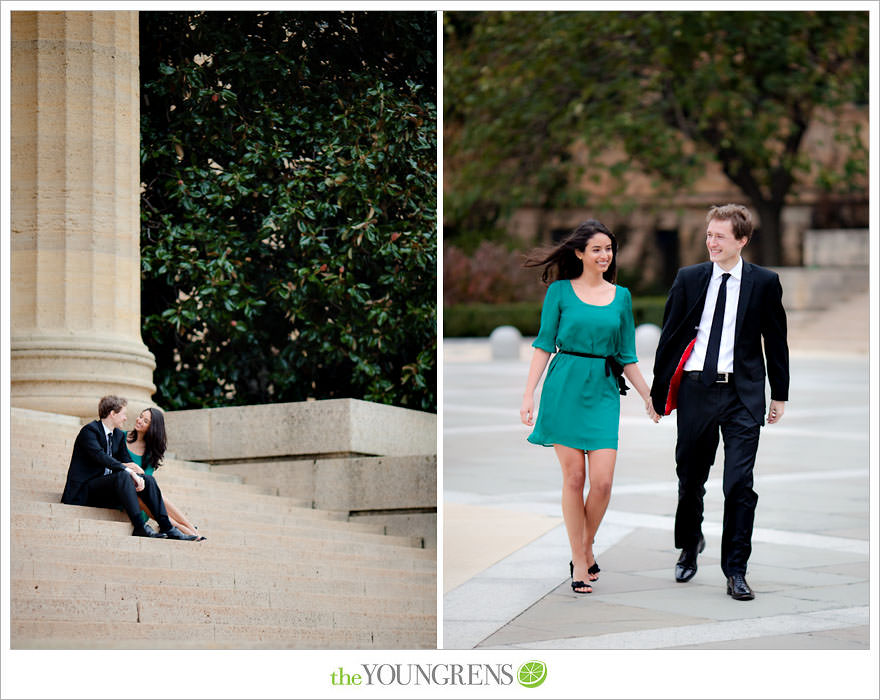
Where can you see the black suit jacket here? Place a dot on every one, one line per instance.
(89, 459)
(760, 314)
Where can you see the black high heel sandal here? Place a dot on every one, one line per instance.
(593, 570)
(578, 584)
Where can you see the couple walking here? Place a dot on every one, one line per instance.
(709, 365)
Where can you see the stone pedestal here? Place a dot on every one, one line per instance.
(75, 302)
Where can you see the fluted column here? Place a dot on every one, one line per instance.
(75, 297)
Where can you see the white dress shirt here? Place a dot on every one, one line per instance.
(725, 352)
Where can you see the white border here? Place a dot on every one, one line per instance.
(285, 674)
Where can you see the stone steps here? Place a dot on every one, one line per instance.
(48, 589)
(43, 634)
(395, 588)
(212, 513)
(274, 572)
(227, 532)
(33, 530)
(192, 491)
(149, 611)
(85, 548)
(235, 521)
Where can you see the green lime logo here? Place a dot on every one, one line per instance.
(532, 673)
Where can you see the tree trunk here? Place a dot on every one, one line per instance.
(768, 251)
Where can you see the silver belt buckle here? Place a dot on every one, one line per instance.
(723, 378)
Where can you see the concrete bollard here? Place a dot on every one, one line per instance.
(647, 338)
(505, 342)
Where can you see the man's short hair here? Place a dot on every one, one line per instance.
(740, 219)
(110, 404)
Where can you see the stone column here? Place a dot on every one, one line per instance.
(75, 301)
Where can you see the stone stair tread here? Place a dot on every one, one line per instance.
(205, 577)
(47, 589)
(281, 550)
(177, 491)
(163, 612)
(221, 532)
(126, 635)
(259, 521)
(226, 519)
(191, 502)
(193, 555)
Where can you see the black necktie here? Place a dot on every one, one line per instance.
(710, 365)
(109, 445)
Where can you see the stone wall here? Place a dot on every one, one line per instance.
(372, 462)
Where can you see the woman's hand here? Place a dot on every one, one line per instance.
(139, 483)
(527, 411)
(134, 467)
(649, 409)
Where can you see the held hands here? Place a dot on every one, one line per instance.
(134, 467)
(777, 409)
(649, 409)
(527, 411)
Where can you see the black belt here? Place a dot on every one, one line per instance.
(612, 367)
(720, 377)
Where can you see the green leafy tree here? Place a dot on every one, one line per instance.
(288, 235)
(673, 90)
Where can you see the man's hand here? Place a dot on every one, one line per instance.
(777, 409)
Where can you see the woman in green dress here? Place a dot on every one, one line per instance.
(146, 444)
(587, 322)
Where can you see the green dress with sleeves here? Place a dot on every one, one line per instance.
(580, 403)
(148, 470)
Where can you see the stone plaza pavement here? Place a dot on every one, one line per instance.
(505, 559)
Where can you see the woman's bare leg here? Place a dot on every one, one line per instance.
(601, 475)
(177, 518)
(573, 479)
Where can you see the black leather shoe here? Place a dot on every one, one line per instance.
(146, 531)
(175, 534)
(686, 568)
(738, 589)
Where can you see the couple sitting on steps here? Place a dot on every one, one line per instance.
(110, 468)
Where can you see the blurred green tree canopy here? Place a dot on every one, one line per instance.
(672, 89)
(288, 225)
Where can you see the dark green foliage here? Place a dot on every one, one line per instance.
(667, 91)
(288, 236)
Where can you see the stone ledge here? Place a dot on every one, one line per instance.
(805, 289)
(307, 428)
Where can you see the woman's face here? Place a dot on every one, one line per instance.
(143, 421)
(597, 254)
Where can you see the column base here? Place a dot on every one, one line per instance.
(69, 373)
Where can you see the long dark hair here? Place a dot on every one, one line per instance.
(560, 262)
(154, 439)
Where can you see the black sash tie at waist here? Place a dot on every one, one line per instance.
(612, 367)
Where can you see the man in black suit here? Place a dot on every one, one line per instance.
(710, 365)
(100, 473)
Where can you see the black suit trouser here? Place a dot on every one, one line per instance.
(702, 412)
(117, 489)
